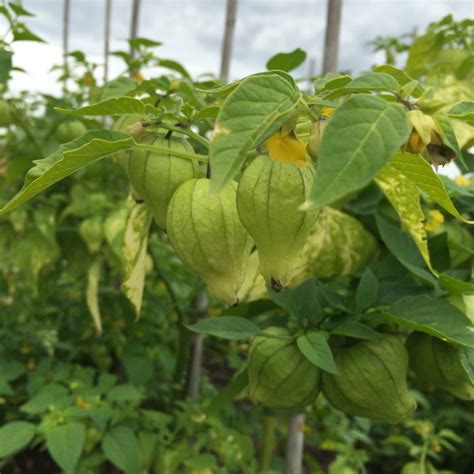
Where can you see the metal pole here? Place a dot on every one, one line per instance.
(331, 44)
(231, 14)
(66, 11)
(108, 15)
(134, 23)
(295, 445)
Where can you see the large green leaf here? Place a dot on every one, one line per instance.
(287, 61)
(120, 446)
(404, 249)
(59, 165)
(258, 104)
(111, 106)
(363, 134)
(434, 316)
(373, 81)
(313, 345)
(14, 437)
(227, 327)
(65, 444)
(463, 110)
(421, 173)
(401, 76)
(134, 251)
(405, 198)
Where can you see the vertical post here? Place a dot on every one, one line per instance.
(66, 10)
(331, 43)
(195, 364)
(108, 15)
(294, 445)
(230, 16)
(134, 23)
(311, 73)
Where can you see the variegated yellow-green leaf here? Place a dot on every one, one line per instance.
(338, 245)
(421, 173)
(92, 294)
(134, 251)
(405, 198)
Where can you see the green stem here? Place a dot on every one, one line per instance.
(314, 116)
(170, 151)
(268, 442)
(184, 131)
(22, 124)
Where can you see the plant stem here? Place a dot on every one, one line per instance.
(184, 131)
(200, 305)
(268, 442)
(168, 151)
(294, 444)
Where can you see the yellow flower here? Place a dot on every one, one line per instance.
(328, 111)
(81, 403)
(31, 365)
(462, 180)
(287, 149)
(214, 312)
(435, 219)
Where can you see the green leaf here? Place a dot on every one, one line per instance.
(287, 61)
(124, 393)
(463, 110)
(92, 294)
(360, 138)
(404, 249)
(367, 290)
(111, 106)
(314, 347)
(14, 437)
(120, 446)
(118, 87)
(148, 43)
(258, 104)
(454, 285)
(355, 329)
(174, 66)
(5, 65)
(226, 327)
(134, 252)
(19, 10)
(466, 356)
(433, 316)
(373, 81)
(401, 76)
(22, 33)
(421, 173)
(301, 302)
(238, 382)
(446, 131)
(65, 444)
(60, 164)
(49, 395)
(405, 198)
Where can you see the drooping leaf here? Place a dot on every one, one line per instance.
(362, 135)
(355, 329)
(405, 198)
(287, 61)
(373, 81)
(14, 437)
(314, 346)
(259, 105)
(404, 249)
(226, 327)
(463, 110)
(120, 446)
(59, 165)
(421, 173)
(134, 251)
(65, 444)
(401, 76)
(367, 290)
(92, 294)
(110, 106)
(434, 316)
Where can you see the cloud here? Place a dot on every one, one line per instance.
(192, 31)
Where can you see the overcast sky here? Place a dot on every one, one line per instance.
(192, 30)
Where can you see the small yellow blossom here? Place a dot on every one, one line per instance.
(214, 312)
(31, 365)
(328, 111)
(462, 180)
(435, 219)
(81, 403)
